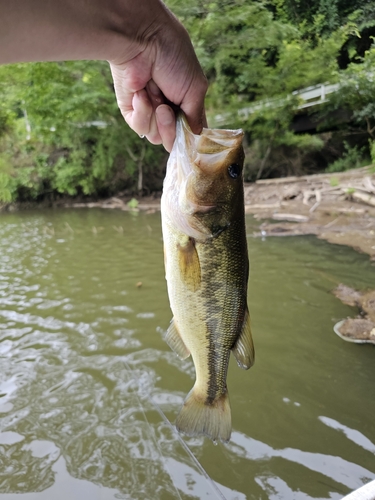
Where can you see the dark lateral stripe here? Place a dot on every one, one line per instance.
(222, 310)
(217, 371)
(213, 386)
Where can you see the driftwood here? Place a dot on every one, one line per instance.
(313, 191)
(367, 198)
(358, 172)
(290, 217)
(367, 182)
(261, 206)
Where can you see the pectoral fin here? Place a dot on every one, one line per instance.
(243, 349)
(190, 267)
(175, 342)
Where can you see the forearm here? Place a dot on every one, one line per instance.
(152, 59)
(52, 30)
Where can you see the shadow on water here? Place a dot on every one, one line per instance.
(86, 379)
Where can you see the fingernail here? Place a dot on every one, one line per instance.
(165, 115)
(154, 89)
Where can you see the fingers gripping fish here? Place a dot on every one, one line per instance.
(207, 270)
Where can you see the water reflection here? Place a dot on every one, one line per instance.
(277, 489)
(352, 434)
(84, 372)
(343, 472)
(101, 426)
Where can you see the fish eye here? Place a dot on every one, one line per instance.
(234, 170)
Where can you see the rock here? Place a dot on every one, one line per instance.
(368, 304)
(348, 295)
(361, 329)
(356, 330)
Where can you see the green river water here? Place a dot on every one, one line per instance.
(85, 376)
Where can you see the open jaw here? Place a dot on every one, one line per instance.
(207, 151)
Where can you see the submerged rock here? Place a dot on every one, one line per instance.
(347, 295)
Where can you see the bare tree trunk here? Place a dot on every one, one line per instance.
(27, 123)
(263, 162)
(140, 178)
(139, 161)
(370, 129)
(140, 168)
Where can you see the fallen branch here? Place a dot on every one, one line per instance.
(307, 195)
(367, 182)
(290, 217)
(369, 199)
(261, 206)
(357, 172)
(318, 197)
(331, 223)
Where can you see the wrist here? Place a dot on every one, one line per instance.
(135, 25)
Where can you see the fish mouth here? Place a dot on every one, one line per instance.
(205, 152)
(208, 150)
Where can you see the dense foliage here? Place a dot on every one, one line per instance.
(264, 51)
(62, 134)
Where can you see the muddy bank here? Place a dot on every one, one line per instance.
(339, 208)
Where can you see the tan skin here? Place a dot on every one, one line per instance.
(152, 60)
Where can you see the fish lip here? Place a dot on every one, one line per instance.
(195, 147)
(214, 144)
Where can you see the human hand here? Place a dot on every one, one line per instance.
(154, 66)
(161, 78)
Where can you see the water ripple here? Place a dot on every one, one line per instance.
(83, 368)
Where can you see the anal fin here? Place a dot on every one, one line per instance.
(243, 349)
(175, 342)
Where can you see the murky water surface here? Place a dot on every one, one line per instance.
(84, 372)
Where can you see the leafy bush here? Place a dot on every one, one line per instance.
(372, 150)
(6, 194)
(353, 157)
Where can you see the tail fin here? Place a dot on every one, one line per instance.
(198, 418)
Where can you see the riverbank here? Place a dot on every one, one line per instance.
(339, 207)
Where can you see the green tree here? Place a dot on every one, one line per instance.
(357, 93)
(262, 52)
(68, 136)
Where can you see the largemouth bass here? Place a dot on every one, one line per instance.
(207, 270)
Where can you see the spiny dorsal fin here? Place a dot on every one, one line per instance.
(243, 349)
(175, 342)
